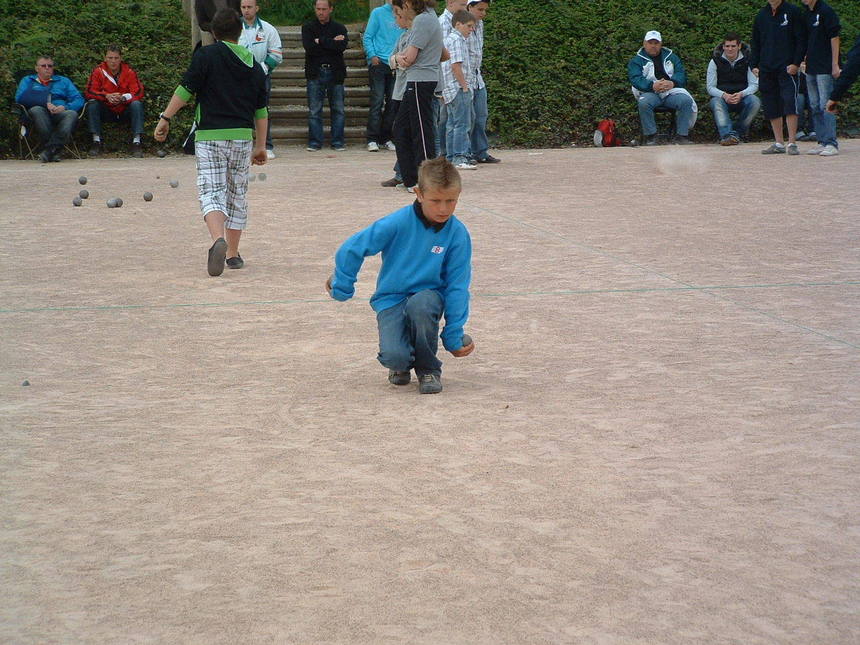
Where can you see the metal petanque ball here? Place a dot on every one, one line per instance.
(82, 180)
(111, 203)
(77, 201)
(174, 183)
(161, 153)
(262, 176)
(84, 194)
(147, 197)
(118, 202)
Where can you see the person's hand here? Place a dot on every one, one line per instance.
(258, 157)
(792, 70)
(161, 131)
(755, 72)
(832, 107)
(340, 37)
(328, 285)
(803, 67)
(736, 98)
(837, 71)
(317, 41)
(56, 109)
(114, 98)
(465, 350)
(374, 61)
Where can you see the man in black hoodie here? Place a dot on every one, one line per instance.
(778, 48)
(850, 72)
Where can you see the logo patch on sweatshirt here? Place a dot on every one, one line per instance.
(437, 249)
(784, 20)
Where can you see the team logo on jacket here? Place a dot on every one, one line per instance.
(817, 18)
(784, 20)
(437, 249)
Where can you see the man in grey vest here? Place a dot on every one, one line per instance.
(732, 87)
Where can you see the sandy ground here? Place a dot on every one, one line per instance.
(656, 440)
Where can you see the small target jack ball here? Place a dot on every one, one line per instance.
(147, 197)
(84, 194)
(467, 340)
(262, 176)
(77, 201)
(161, 153)
(174, 183)
(82, 180)
(26, 383)
(111, 203)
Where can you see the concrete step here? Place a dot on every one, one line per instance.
(296, 57)
(349, 102)
(299, 134)
(283, 72)
(300, 91)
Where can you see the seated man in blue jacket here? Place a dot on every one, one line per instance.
(658, 79)
(53, 103)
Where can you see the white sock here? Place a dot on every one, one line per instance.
(136, 139)
(97, 138)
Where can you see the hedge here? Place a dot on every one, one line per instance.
(555, 68)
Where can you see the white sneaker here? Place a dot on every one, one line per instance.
(373, 146)
(829, 151)
(816, 150)
(390, 145)
(465, 165)
(270, 154)
(408, 189)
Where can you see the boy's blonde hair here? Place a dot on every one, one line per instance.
(438, 173)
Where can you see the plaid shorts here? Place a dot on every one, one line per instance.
(222, 179)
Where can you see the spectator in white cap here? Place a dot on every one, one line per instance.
(659, 80)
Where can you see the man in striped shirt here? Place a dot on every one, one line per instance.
(458, 74)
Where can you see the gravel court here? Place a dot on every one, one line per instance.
(654, 442)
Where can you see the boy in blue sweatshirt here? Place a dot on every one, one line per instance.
(426, 270)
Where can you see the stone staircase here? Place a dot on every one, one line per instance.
(288, 104)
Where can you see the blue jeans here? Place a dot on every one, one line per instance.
(440, 118)
(457, 145)
(381, 116)
(98, 112)
(819, 86)
(55, 130)
(409, 334)
(681, 103)
(479, 144)
(269, 144)
(745, 112)
(318, 88)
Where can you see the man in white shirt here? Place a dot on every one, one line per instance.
(264, 42)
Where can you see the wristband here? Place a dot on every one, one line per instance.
(164, 116)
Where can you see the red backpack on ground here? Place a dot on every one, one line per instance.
(606, 135)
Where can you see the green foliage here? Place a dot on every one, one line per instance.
(555, 68)
(296, 12)
(154, 35)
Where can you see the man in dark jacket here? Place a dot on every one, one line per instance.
(778, 48)
(822, 68)
(324, 41)
(732, 87)
(850, 72)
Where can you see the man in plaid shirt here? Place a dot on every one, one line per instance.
(478, 137)
(458, 75)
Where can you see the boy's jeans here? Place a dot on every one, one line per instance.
(318, 88)
(409, 334)
(819, 86)
(459, 126)
(380, 118)
(479, 144)
(748, 108)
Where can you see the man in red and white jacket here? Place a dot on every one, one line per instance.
(119, 95)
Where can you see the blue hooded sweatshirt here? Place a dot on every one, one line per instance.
(416, 255)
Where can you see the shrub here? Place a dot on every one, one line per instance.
(555, 68)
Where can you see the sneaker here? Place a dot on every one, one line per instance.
(95, 149)
(45, 156)
(792, 149)
(465, 165)
(235, 263)
(829, 151)
(429, 384)
(312, 149)
(136, 150)
(399, 378)
(683, 140)
(729, 140)
(408, 189)
(339, 148)
(390, 145)
(372, 146)
(774, 149)
(217, 253)
(391, 183)
(816, 150)
(489, 159)
(270, 154)
(651, 140)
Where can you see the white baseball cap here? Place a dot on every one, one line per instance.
(654, 35)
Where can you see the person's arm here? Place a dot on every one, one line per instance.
(679, 76)
(446, 55)
(274, 49)
(800, 41)
(457, 71)
(369, 37)
(752, 84)
(711, 81)
(261, 125)
(178, 101)
(754, 47)
(408, 57)
(456, 274)
(135, 87)
(350, 256)
(337, 43)
(850, 72)
(636, 78)
(309, 41)
(73, 97)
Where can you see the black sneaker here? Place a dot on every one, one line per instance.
(489, 159)
(235, 263)
(429, 384)
(136, 150)
(651, 140)
(95, 149)
(217, 253)
(45, 156)
(682, 140)
(391, 183)
(399, 378)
